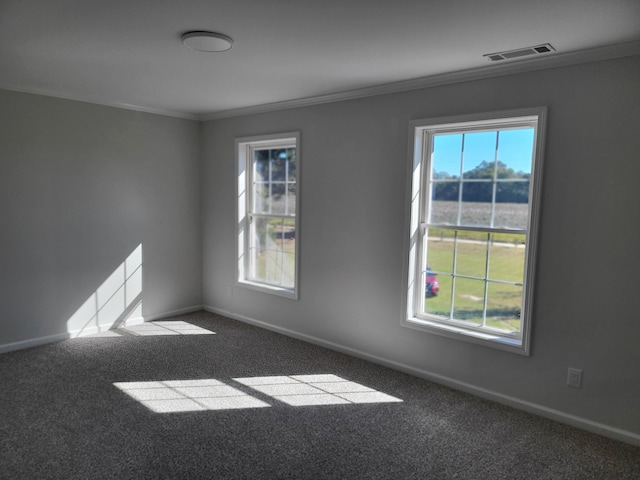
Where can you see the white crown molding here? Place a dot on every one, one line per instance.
(104, 103)
(493, 70)
(509, 67)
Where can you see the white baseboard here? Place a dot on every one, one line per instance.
(92, 330)
(172, 313)
(34, 342)
(540, 410)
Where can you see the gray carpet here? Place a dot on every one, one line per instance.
(63, 417)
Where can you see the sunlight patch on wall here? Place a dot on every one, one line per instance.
(305, 390)
(116, 302)
(189, 395)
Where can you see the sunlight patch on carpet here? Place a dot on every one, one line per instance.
(172, 396)
(151, 329)
(325, 389)
(188, 395)
(167, 328)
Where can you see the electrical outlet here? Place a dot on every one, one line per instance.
(230, 291)
(574, 377)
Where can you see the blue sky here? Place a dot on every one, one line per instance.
(514, 149)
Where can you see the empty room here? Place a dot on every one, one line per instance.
(310, 240)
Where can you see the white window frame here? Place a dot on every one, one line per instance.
(419, 171)
(245, 215)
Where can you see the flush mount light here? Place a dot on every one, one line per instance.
(207, 41)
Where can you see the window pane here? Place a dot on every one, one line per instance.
(447, 190)
(471, 257)
(477, 192)
(289, 235)
(507, 257)
(258, 249)
(513, 192)
(260, 268)
(444, 211)
(479, 154)
(439, 304)
(503, 306)
(288, 246)
(288, 270)
(291, 198)
(291, 164)
(440, 250)
(261, 165)
(510, 215)
(506, 173)
(476, 214)
(278, 165)
(273, 267)
(261, 198)
(274, 251)
(437, 272)
(447, 155)
(468, 301)
(273, 255)
(278, 199)
(479, 165)
(515, 150)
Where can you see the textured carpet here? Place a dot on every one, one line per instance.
(69, 411)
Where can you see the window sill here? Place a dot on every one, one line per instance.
(493, 340)
(289, 293)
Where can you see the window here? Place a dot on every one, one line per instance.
(268, 227)
(474, 203)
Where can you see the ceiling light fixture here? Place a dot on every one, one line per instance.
(207, 41)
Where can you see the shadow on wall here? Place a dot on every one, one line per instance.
(115, 303)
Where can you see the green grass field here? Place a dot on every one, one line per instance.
(506, 263)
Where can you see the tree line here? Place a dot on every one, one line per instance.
(506, 192)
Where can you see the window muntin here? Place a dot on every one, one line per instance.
(268, 213)
(472, 218)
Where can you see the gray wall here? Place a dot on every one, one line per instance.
(81, 186)
(354, 157)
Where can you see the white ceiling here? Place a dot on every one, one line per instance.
(129, 53)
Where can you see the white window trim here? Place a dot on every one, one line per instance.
(412, 289)
(242, 146)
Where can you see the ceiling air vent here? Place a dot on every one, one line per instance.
(521, 52)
